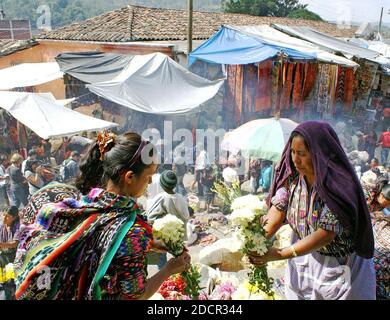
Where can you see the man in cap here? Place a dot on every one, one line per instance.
(167, 202)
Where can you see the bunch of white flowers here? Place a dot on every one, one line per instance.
(242, 217)
(251, 202)
(170, 229)
(257, 240)
(246, 215)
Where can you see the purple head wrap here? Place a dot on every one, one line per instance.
(335, 181)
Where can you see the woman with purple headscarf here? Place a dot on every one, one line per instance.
(317, 191)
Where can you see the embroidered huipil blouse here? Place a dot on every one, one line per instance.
(306, 213)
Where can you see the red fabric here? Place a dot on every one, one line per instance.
(250, 88)
(238, 96)
(311, 70)
(229, 96)
(279, 87)
(298, 86)
(287, 86)
(348, 87)
(385, 139)
(263, 93)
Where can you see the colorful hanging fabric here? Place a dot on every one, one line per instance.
(264, 88)
(332, 88)
(340, 85)
(239, 91)
(323, 88)
(288, 74)
(308, 83)
(298, 86)
(348, 89)
(277, 85)
(250, 88)
(229, 96)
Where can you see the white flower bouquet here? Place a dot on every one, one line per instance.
(246, 216)
(170, 230)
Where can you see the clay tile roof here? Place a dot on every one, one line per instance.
(11, 46)
(136, 23)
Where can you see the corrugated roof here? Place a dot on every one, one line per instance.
(136, 23)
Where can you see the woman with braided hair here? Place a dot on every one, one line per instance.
(95, 247)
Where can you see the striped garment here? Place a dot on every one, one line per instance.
(306, 212)
(104, 239)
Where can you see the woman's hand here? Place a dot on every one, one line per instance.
(179, 264)
(272, 254)
(159, 246)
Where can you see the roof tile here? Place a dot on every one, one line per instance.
(136, 23)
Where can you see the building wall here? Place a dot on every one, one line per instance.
(46, 51)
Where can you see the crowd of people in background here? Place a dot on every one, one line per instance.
(21, 178)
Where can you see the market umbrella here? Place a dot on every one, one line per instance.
(261, 138)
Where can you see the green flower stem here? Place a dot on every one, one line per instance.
(259, 278)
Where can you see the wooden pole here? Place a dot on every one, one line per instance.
(189, 27)
(380, 22)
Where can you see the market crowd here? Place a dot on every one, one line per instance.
(332, 188)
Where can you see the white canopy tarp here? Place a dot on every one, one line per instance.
(48, 119)
(29, 74)
(8, 98)
(273, 36)
(378, 46)
(155, 83)
(348, 49)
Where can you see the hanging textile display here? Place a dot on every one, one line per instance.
(332, 88)
(340, 86)
(309, 81)
(277, 85)
(299, 76)
(229, 97)
(348, 89)
(340, 92)
(250, 87)
(323, 88)
(238, 96)
(264, 92)
(364, 78)
(288, 73)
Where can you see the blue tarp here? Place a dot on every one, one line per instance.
(230, 46)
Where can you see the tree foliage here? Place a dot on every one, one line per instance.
(277, 8)
(304, 14)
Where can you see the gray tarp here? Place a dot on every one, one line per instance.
(348, 49)
(93, 67)
(152, 83)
